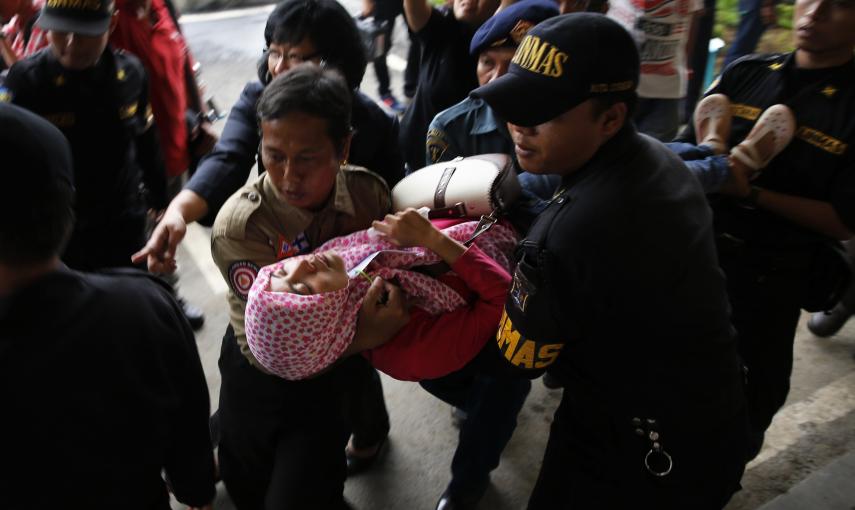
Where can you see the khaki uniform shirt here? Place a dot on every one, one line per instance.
(256, 228)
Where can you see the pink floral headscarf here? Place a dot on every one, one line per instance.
(295, 336)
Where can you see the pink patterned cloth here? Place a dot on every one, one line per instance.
(295, 336)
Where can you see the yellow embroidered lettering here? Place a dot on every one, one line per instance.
(620, 86)
(545, 67)
(535, 54)
(525, 356)
(521, 54)
(745, 111)
(540, 57)
(558, 65)
(90, 5)
(547, 355)
(823, 141)
(507, 337)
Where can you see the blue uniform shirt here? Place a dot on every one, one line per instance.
(468, 128)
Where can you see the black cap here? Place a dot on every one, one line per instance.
(562, 62)
(85, 17)
(507, 27)
(34, 153)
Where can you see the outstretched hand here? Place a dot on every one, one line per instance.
(159, 251)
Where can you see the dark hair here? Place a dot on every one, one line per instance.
(605, 101)
(311, 90)
(37, 230)
(327, 25)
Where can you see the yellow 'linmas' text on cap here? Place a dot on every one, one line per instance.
(540, 57)
(89, 5)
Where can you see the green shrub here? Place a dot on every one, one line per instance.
(775, 39)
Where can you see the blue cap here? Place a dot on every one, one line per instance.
(508, 26)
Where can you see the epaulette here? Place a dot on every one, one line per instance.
(235, 213)
(128, 66)
(457, 110)
(130, 78)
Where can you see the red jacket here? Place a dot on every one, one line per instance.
(156, 41)
(432, 346)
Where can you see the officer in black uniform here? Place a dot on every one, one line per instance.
(98, 98)
(617, 287)
(100, 381)
(778, 234)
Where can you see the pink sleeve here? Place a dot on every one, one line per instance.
(434, 346)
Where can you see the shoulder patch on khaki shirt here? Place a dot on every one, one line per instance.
(241, 276)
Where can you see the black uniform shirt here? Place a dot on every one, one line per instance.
(226, 169)
(819, 163)
(104, 112)
(617, 283)
(446, 77)
(101, 388)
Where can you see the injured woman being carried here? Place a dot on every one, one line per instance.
(304, 313)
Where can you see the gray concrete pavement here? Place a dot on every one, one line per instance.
(830, 488)
(816, 427)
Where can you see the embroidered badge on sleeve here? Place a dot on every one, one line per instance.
(241, 275)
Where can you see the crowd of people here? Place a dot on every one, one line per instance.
(655, 267)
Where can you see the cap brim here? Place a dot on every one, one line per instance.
(50, 21)
(511, 97)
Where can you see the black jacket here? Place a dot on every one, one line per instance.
(101, 388)
(617, 289)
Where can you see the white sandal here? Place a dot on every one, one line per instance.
(715, 111)
(777, 120)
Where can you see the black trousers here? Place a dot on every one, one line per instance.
(765, 293)
(591, 465)
(282, 442)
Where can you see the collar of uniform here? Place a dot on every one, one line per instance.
(485, 119)
(340, 201)
(847, 70)
(106, 62)
(785, 60)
